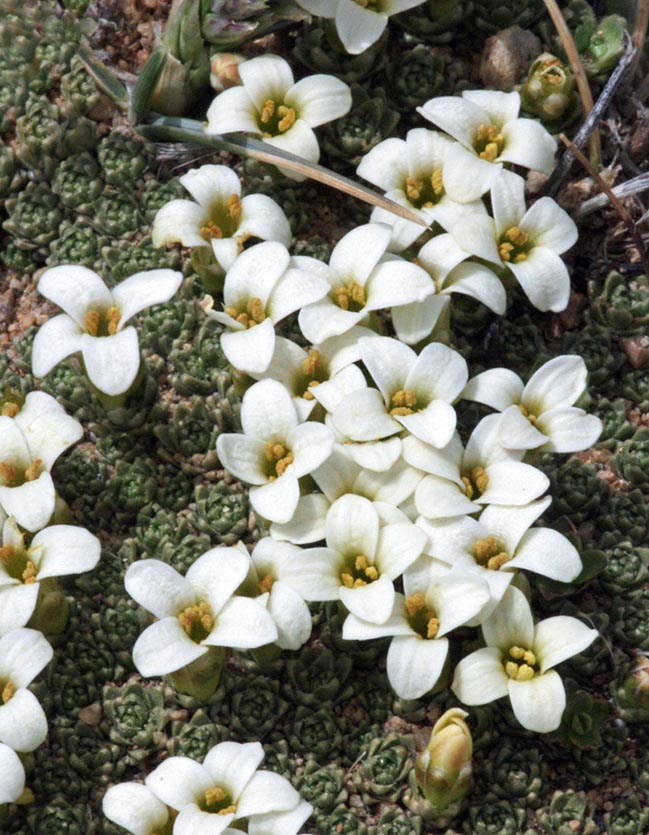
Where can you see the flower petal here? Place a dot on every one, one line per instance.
(145, 289)
(511, 624)
(372, 602)
(211, 184)
(549, 225)
(538, 704)
(510, 523)
(243, 623)
(559, 382)
(497, 387)
(308, 522)
(250, 350)
(66, 549)
(179, 782)
(23, 725)
(466, 177)
(528, 143)
(385, 165)
(112, 362)
(361, 416)
(291, 616)
(75, 290)
(559, 638)
(134, 807)
(179, 221)
(266, 77)
(513, 483)
(352, 526)
(24, 653)
(549, 553)
(414, 665)
(358, 28)
(267, 792)
(480, 677)
(12, 775)
(192, 820)
(319, 99)
(234, 764)
(438, 498)
(55, 340)
(232, 111)
(32, 504)
(501, 107)
(280, 823)
(480, 283)
(163, 648)
(217, 574)
(358, 252)
(456, 116)
(17, 604)
(159, 588)
(568, 429)
(244, 457)
(544, 279)
(277, 500)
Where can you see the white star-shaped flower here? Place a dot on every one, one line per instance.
(94, 320)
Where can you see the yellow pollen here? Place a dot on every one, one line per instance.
(7, 692)
(433, 627)
(511, 247)
(414, 188)
(403, 402)
(488, 142)
(361, 562)
(312, 363)
(437, 182)
(352, 294)
(8, 472)
(229, 810)
(308, 394)
(6, 553)
(480, 478)
(278, 455)
(361, 574)
(287, 118)
(422, 619)
(9, 409)
(415, 603)
(468, 487)
(91, 322)
(198, 615)
(34, 470)
(211, 230)
(30, 573)
(489, 553)
(267, 111)
(532, 418)
(234, 207)
(113, 315)
(521, 668)
(347, 580)
(265, 584)
(253, 314)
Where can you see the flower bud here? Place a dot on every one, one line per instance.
(224, 70)
(549, 90)
(443, 769)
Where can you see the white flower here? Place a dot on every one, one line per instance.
(540, 414)
(360, 282)
(437, 600)
(461, 480)
(274, 451)
(227, 787)
(54, 552)
(23, 654)
(414, 393)
(283, 113)
(196, 611)
(489, 133)
(410, 173)
(447, 265)
(360, 562)
(526, 241)
(501, 542)
(134, 807)
(94, 320)
(12, 775)
(262, 287)
(30, 443)
(359, 23)
(518, 661)
(219, 217)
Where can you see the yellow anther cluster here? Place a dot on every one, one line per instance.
(234, 207)
(488, 142)
(217, 795)
(253, 314)
(312, 363)
(113, 316)
(532, 418)
(211, 230)
(197, 621)
(403, 402)
(362, 573)
(350, 297)
(34, 470)
(520, 664)
(280, 457)
(283, 116)
(91, 322)
(99, 323)
(425, 192)
(490, 553)
(9, 409)
(422, 619)
(30, 573)
(476, 482)
(512, 245)
(7, 692)
(265, 584)
(7, 553)
(8, 472)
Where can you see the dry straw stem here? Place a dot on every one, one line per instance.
(626, 217)
(626, 189)
(580, 74)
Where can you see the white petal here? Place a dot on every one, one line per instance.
(480, 677)
(559, 382)
(517, 432)
(358, 252)
(559, 638)
(477, 235)
(569, 430)
(232, 111)
(179, 781)
(361, 416)
(134, 807)
(324, 320)
(434, 425)
(321, 8)
(193, 821)
(386, 165)
(276, 501)
(319, 99)
(388, 361)
(17, 604)
(358, 28)
(440, 372)
(280, 823)
(263, 218)
(466, 177)
(510, 523)
(48, 433)
(23, 654)
(458, 598)
(75, 290)
(163, 648)
(528, 143)
(144, 289)
(508, 201)
(243, 456)
(484, 448)
(497, 387)
(179, 221)
(211, 184)
(267, 411)
(549, 553)
(501, 107)
(511, 624)
(373, 602)
(295, 289)
(378, 456)
(233, 764)
(55, 340)
(242, 623)
(267, 792)
(266, 77)
(398, 547)
(66, 550)
(549, 225)
(317, 575)
(311, 444)
(352, 526)
(255, 273)
(250, 350)
(393, 487)
(544, 279)
(12, 775)
(396, 282)
(414, 322)
(480, 283)
(437, 498)
(355, 629)
(217, 574)
(31, 504)
(291, 616)
(456, 116)
(414, 665)
(513, 483)
(23, 725)
(308, 522)
(444, 462)
(111, 362)
(299, 140)
(159, 588)
(538, 704)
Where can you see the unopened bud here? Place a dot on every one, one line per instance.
(443, 769)
(549, 91)
(224, 70)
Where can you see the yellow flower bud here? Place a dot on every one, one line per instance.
(443, 769)
(224, 70)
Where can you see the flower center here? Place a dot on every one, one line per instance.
(223, 221)
(421, 618)
(532, 418)
(488, 142)
(265, 584)
(276, 118)
(11, 476)
(18, 565)
(373, 5)
(358, 572)
(520, 664)
(350, 297)
(475, 483)
(278, 458)
(313, 373)
(7, 690)
(11, 402)
(197, 621)
(514, 245)
(102, 322)
(424, 193)
(490, 553)
(218, 801)
(253, 314)
(403, 402)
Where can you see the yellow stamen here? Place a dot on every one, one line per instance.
(196, 620)
(532, 418)
(7, 692)
(91, 322)
(437, 182)
(347, 580)
(353, 295)
(7, 552)
(512, 245)
(489, 553)
(30, 573)
(414, 188)
(9, 409)
(312, 363)
(287, 118)
(433, 627)
(480, 478)
(488, 142)
(521, 668)
(34, 470)
(253, 315)
(415, 603)
(211, 230)
(267, 111)
(265, 584)
(8, 472)
(362, 573)
(234, 207)
(278, 455)
(113, 315)
(403, 402)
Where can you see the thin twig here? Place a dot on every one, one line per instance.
(176, 129)
(639, 32)
(626, 217)
(580, 74)
(633, 186)
(563, 166)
